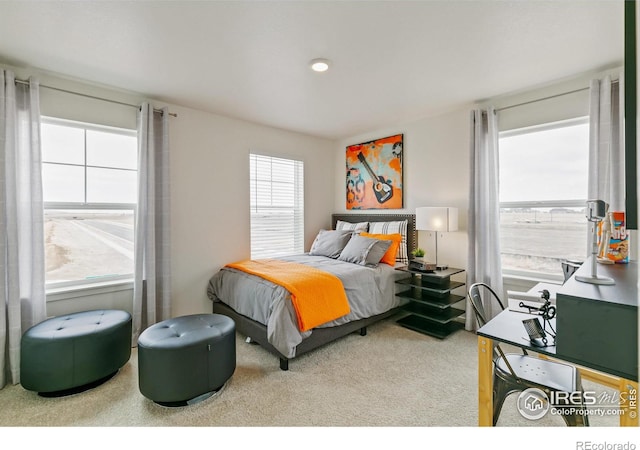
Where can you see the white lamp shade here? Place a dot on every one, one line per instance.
(437, 218)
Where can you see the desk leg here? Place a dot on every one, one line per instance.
(628, 403)
(485, 382)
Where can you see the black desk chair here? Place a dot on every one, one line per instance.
(515, 373)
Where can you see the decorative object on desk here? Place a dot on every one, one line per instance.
(596, 211)
(604, 236)
(537, 335)
(418, 253)
(374, 174)
(437, 219)
(548, 312)
(523, 301)
(614, 239)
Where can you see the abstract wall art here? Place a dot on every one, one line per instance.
(374, 174)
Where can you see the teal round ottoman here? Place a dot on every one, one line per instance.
(185, 360)
(74, 352)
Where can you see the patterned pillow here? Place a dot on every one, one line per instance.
(399, 226)
(360, 226)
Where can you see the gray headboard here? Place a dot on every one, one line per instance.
(412, 238)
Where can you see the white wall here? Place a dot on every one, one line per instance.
(209, 186)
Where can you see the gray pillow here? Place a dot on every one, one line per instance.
(364, 251)
(330, 243)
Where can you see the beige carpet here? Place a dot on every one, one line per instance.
(390, 378)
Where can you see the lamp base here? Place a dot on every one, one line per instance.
(596, 280)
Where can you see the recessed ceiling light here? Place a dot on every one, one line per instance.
(320, 65)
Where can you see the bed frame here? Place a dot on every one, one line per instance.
(257, 332)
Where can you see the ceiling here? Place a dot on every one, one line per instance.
(393, 61)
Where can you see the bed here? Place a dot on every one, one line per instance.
(263, 312)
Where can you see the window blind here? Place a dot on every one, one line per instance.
(277, 206)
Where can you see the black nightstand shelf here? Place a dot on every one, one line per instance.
(431, 302)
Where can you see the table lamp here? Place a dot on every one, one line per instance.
(437, 219)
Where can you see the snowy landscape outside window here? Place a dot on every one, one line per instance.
(543, 190)
(89, 175)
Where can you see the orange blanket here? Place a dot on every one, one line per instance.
(317, 296)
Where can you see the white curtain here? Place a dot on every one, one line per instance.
(22, 292)
(484, 264)
(152, 285)
(606, 143)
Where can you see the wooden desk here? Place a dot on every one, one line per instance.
(507, 327)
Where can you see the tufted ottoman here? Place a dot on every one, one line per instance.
(74, 352)
(186, 359)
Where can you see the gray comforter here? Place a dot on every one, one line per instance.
(370, 291)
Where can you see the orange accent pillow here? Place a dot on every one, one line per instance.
(391, 253)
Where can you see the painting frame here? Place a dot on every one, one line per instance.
(374, 174)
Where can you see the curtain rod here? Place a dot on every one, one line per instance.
(91, 96)
(547, 98)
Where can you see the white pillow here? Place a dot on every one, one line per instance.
(359, 226)
(399, 226)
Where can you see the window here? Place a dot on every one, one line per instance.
(543, 190)
(277, 206)
(89, 177)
